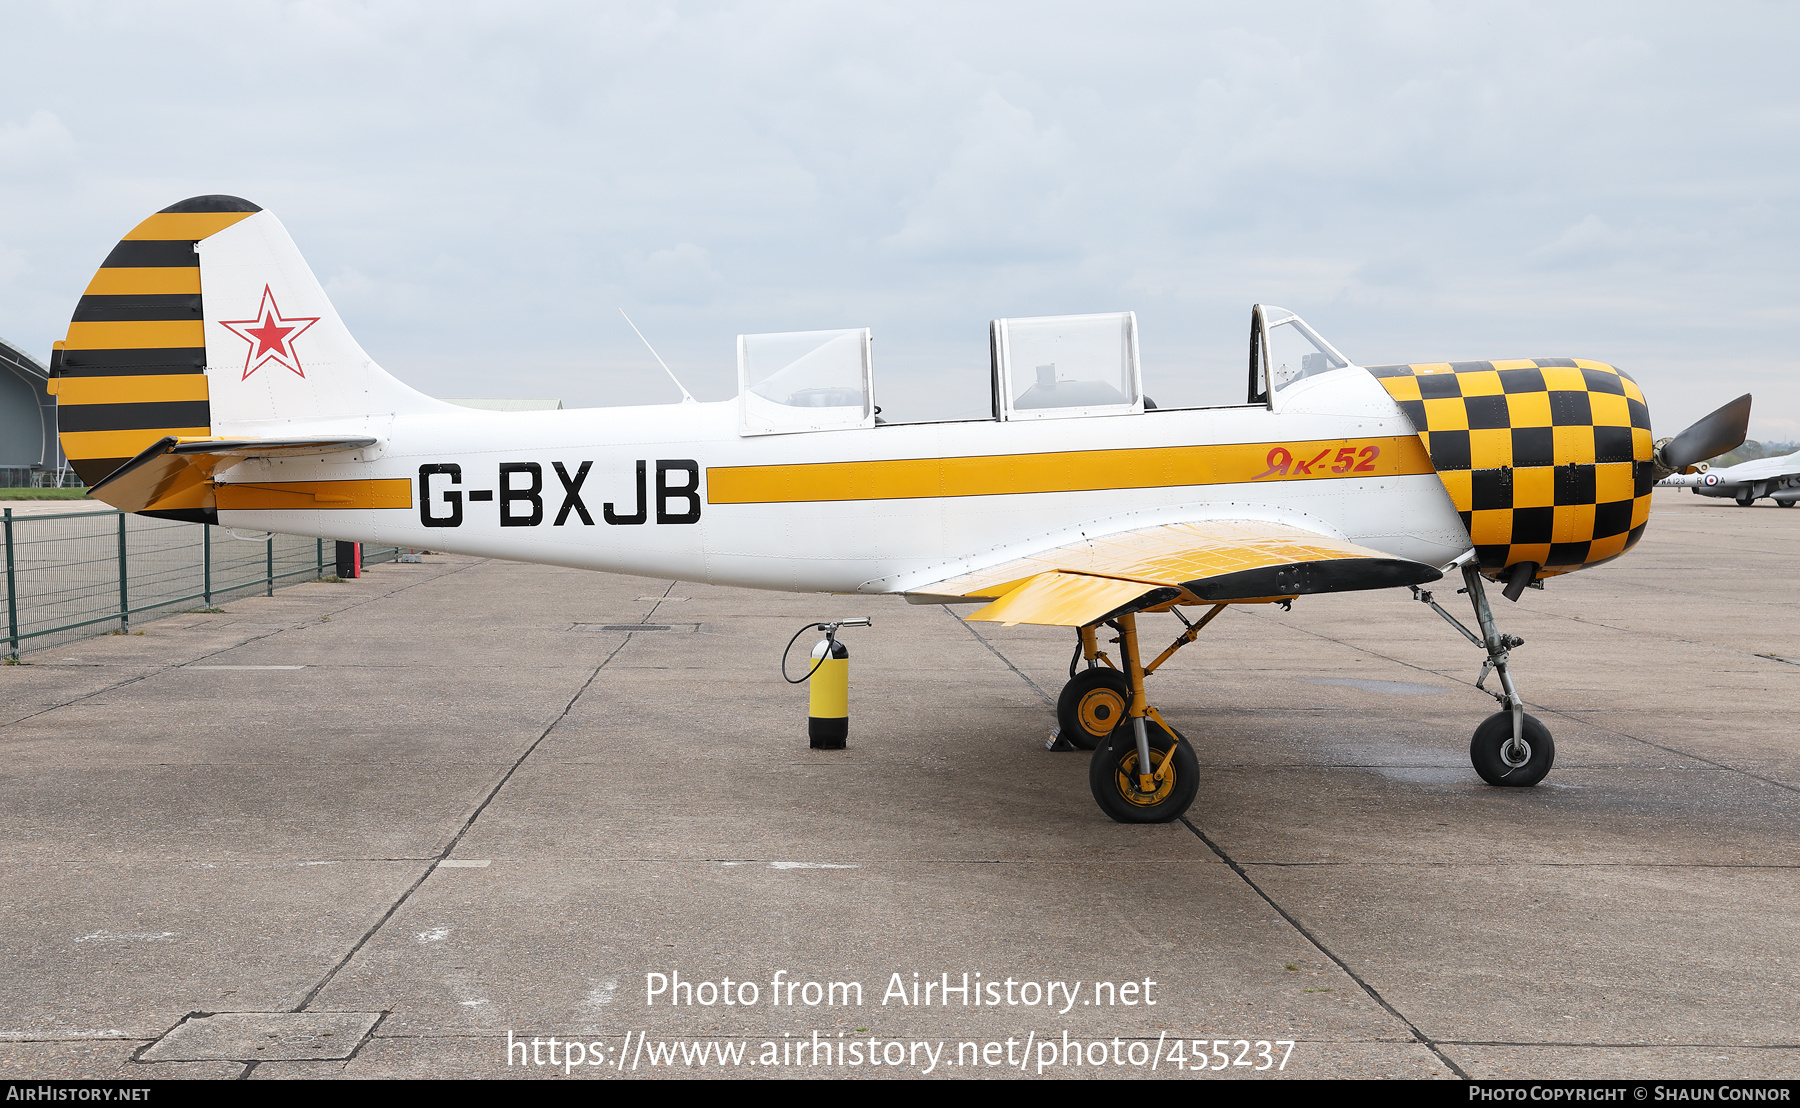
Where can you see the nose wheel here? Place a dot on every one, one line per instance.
(1509, 748)
(1503, 758)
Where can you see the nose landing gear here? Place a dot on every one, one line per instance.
(1510, 748)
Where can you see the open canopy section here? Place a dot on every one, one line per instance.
(805, 381)
(1057, 366)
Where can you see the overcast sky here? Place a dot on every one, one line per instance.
(482, 186)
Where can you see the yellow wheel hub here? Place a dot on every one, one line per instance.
(1100, 711)
(1126, 776)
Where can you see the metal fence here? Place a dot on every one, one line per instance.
(70, 574)
(37, 477)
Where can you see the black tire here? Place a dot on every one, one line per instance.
(1745, 501)
(1784, 503)
(1091, 705)
(1112, 775)
(1485, 750)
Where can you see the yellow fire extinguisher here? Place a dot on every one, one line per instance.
(828, 711)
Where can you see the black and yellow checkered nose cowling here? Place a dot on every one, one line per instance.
(1547, 460)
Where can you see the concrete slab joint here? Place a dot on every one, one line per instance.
(458, 822)
(263, 1037)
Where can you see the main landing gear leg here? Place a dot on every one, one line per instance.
(1510, 747)
(1144, 772)
(1096, 698)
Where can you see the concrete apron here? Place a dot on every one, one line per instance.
(389, 826)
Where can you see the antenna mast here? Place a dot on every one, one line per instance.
(686, 396)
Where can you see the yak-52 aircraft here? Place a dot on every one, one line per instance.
(206, 377)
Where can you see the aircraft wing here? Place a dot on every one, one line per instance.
(1213, 562)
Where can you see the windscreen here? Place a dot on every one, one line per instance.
(1295, 350)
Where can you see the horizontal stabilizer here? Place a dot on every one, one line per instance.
(271, 448)
(175, 475)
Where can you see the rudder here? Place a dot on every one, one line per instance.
(133, 367)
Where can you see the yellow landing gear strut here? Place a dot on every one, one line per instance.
(1096, 698)
(1143, 771)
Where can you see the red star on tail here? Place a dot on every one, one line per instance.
(270, 335)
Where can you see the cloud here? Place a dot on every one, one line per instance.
(1593, 243)
(12, 263)
(1007, 192)
(682, 274)
(39, 145)
(483, 181)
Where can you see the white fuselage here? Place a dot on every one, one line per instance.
(844, 544)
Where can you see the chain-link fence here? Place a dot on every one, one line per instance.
(74, 574)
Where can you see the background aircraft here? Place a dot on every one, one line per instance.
(1747, 482)
(206, 377)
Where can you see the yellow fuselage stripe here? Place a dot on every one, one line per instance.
(275, 496)
(137, 335)
(1067, 471)
(147, 281)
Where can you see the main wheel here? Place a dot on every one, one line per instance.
(1785, 503)
(1745, 501)
(1500, 762)
(1091, 705)
(1113, 775)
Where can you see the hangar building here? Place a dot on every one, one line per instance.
(28, 443)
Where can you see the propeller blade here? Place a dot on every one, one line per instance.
(1711, 436)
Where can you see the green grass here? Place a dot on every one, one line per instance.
(42, 494)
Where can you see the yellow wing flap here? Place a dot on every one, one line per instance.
(1215, 561)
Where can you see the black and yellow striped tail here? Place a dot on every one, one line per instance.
(133, 368)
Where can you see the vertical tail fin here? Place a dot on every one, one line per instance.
(205, 321)
(279, 360)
